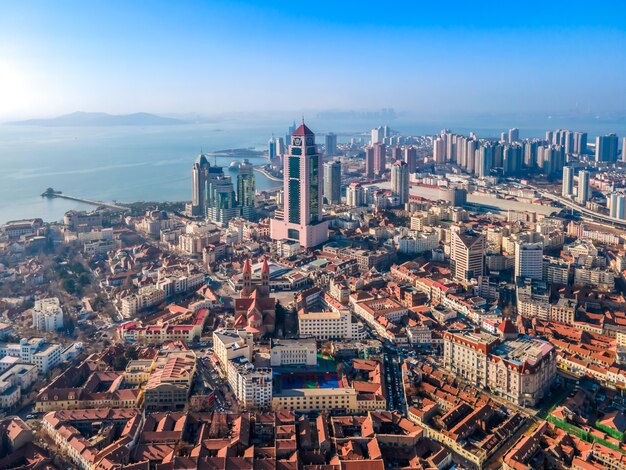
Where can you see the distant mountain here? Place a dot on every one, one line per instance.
(101, 119)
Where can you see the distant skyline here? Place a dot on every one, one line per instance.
(212, 58)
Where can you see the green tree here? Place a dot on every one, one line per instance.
(83, 279)
(70, 286)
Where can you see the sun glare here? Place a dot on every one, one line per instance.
(14, 90)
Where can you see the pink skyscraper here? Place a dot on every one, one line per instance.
(410, 157)
(302, 220)
(380, 159)
(369, 162)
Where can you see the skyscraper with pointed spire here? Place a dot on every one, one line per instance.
(302, 219)
(199, 175)
(211, 192)
(271, 149)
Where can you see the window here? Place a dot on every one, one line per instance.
(294, 203)
(314, 189)
(294, 167)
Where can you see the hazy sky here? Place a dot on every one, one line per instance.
(440, 58)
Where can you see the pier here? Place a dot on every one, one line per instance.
(51, 194)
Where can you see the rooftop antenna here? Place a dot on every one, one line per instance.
(303, 119)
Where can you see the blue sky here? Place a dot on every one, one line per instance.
(423, 58)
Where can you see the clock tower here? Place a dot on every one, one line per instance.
(302, 220)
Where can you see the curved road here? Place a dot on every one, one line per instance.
(583, 210)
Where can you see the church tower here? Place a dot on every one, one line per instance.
(247, 279)
(265, 279)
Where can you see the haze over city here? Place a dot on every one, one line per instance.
(425, 59)
(303, 236)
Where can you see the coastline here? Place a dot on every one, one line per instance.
(266, 174)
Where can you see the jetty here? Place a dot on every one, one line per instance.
(52, 194)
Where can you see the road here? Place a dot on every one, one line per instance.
(393, 380)
(224, 397)
(583, 210)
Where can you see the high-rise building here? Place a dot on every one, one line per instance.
(530, 153)
(400, 181)
(583, 187)
(271, 149)
(511, 159)
(331, 144)
(369, 162)
(580, 143)
(246, 189)
(410, 157)
(467, 254)
(199, 174)
(470, 155)
(484, 161)
(529, 260)
(378, 135)
(222, 205)
(290, 131)
(355, 195)
(617, 205)
(568, 181)
(461, 144)
(456, 197)
(439, 150)
(302, 215)
(203, 177)
(568, 143)
(280, 146)
(624, 149)
(550, 159)
(606, 148)
(513, 135)
(380, 159)
(396, 153)
(450, 147)
(332, 182)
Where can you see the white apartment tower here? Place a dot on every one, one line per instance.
(400, 181)
(568, 181)
(529, 260)
(48, 315)
(583, 187)
(467, 254)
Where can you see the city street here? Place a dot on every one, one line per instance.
(224, 398)
(393, 380)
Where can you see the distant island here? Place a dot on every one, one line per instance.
(101, 119)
